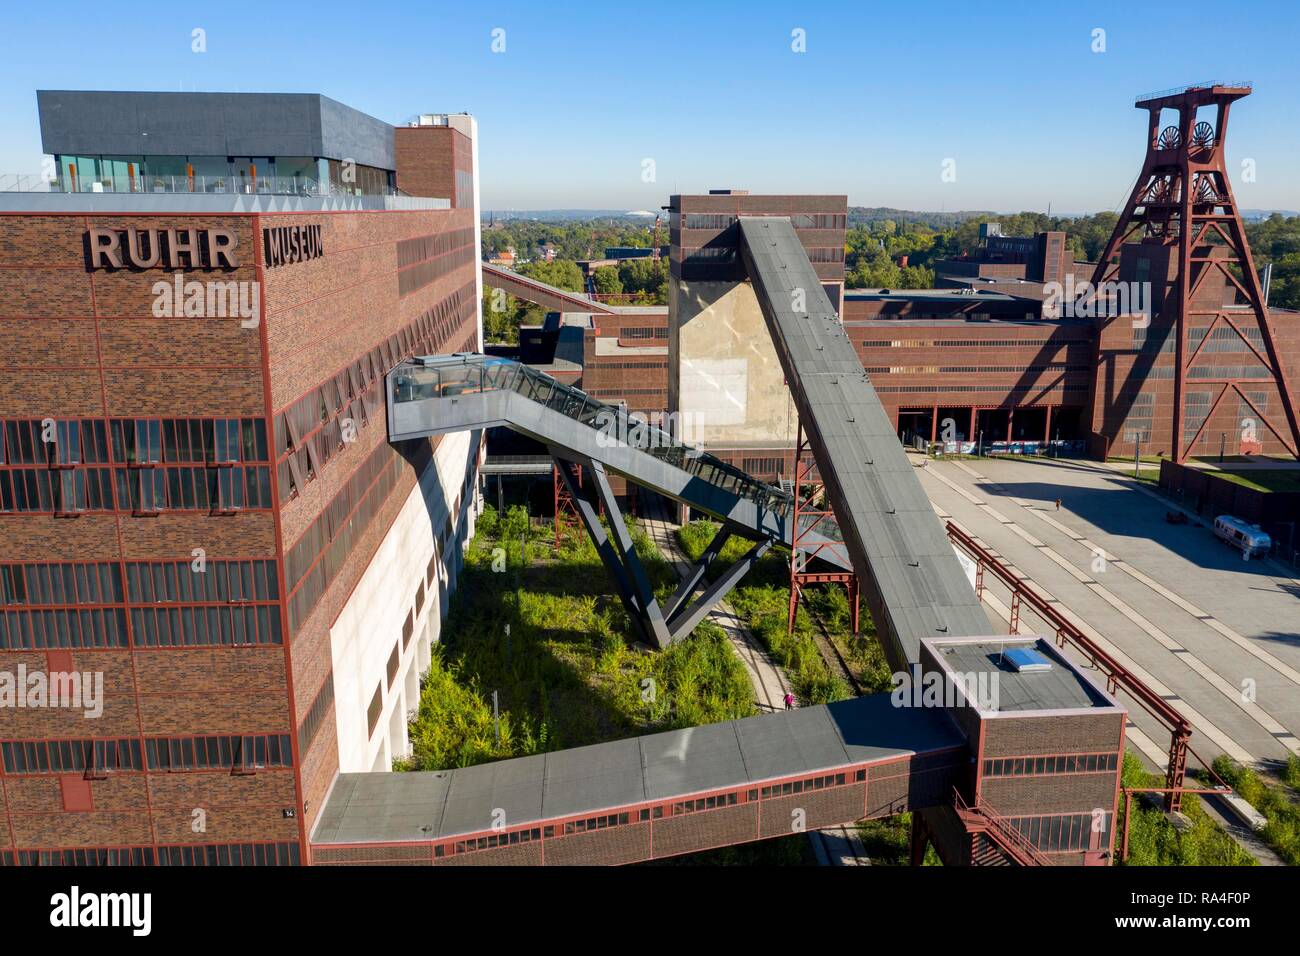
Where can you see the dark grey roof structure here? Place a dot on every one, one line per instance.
(394, 807)
(908, 572)
(93, 122)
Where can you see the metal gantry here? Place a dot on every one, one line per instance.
(1183, 201)
(808, 515)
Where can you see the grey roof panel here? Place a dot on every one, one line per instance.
(585, 779)
(508, 791)
(691, 760)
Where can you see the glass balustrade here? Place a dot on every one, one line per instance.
(449, 377)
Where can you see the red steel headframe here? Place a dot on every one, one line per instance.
(1183, 199)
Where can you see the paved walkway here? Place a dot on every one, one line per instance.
(833, 846)
(1215, 636)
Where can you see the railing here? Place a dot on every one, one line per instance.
(1206, 84)
(1117, 675)
(220, 185)
(419, 381)
(1016, 844)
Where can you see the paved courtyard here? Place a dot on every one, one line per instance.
(1217, 636)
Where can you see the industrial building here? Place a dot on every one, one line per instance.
(242, 446)
(202, 504)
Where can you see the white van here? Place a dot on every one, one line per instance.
(1247, 538)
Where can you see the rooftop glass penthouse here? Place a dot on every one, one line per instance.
(300, 144)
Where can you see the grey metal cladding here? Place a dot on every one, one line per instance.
(791, 742)
(586, 779)
(92, 122)
(884, 514)
(692, 760)
(489, 795)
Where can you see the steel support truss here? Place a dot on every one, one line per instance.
(658, 625)
(807, 517)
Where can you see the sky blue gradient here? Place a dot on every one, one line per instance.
(712, 92)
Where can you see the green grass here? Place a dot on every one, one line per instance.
(1153, 839)
(1263, 479)
(888, 841)
(555, 643)
(1277, 803)
(762, 600)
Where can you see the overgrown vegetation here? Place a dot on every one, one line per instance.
(762, 600)
(888, 841)
(1153, 840)
(1277, 803)
(555, 643)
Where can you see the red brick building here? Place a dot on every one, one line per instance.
(201, 506)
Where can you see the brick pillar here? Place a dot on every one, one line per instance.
(1047, 428)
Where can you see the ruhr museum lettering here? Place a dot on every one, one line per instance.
(162, 248)
(286, 245)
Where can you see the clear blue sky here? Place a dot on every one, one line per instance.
(712, 92)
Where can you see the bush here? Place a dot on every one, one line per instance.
(1153, 840)
(1282, 832)
(488, 523)
(515, 522)
(553, 641)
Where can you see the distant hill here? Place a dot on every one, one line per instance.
(1253, 214)
(564, 215)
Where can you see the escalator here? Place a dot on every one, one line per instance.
(433, 395)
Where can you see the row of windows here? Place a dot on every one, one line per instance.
(63, 492)
(60, 584)
(189, 440)
(50, 442)
(495, 840)
(704, 803)
(800, 220)
(139, 490)
(237, 488)
(804, 786)
(206, 626)
(596, 823)
(161, 753)
(310, 431)
(210, 854)
(1009, 389)
(644, 332)
(422, 248)
(51, 630)
(1061, 763)
(171, 582)
(975, 369)
(315, 716)
(319, 554)
(219, 752)
(425, 273)
(1064, 832)
(71, 756)
(134, 441)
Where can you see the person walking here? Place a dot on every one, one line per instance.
(1058, 504)
(789, 701)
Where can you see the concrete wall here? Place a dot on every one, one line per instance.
(371, 624)
(724, 376)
